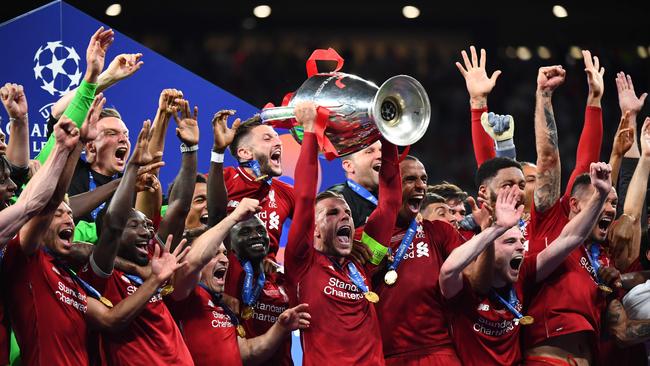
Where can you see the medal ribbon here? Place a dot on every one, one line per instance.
(91, 187)
(217, 300)
(406, 241)
(361, 191)
(254, 165)
(138, 281)
(510, 304)
(250, 294)
(356, 278)
(90, 291)
(593, 255)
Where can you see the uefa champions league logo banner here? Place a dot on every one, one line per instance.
(47, 56)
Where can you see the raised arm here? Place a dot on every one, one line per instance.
(479, 87)
(163, 266)
(628, 101)
(256, 351)
(626, 235)
(378, 229)
(547, 190)
(623, 140)
(205, 247)
(217, 193)
(40, 188)
(180, 198)
(591, 137)
(451, 272)
(118, 211)
(15, 102)
(301, 234)
(122, 66)
(31, 234)
(578, 228)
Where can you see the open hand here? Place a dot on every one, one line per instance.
(624, 137)
(594, 74)
(223, 136)
(627, 99)
(141, 155)
(96, 53)
(163, 265)
(187, 126)
(506, 209)
(123, 66)
(89, 127)
(476, 79)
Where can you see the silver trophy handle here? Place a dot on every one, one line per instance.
(276, 114)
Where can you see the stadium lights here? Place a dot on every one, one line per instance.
(642, 52)
(410, 12)
(511, 52)
(575, 52)
(114, 10)
(559, 11)
(262, 11)
(543, 53)
(523, 53)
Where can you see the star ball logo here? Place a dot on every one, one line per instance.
(57, 65)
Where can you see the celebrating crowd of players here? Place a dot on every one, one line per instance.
(384, 268)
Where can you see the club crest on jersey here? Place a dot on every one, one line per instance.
(272, 203)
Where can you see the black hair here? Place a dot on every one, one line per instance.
(448, 191)
(200, 178)
(490, 168)
(581, 181)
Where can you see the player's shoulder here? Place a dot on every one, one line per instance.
(282, 186)
(230, 172)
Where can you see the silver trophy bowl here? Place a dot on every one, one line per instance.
(399, 110)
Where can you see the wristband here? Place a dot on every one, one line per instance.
(187, 149)
(378, 251)
(98, 271)
(216, 157)
(23, 118)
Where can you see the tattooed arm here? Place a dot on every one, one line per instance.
(627, 332)
(547, 191)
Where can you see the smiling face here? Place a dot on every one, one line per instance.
(111, 147)
(198, 214)
(135, 239)
(213, 274)
(59, 235)
(334, 227)
(250, 240)
(363, 166)
(508, 256)
(414, 186)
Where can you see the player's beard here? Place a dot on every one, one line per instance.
(265, 167)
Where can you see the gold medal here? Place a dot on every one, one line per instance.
(240, 331)
(247, 313)
(106, 302)
(526, 320)
(604, 288)
(390, 277)
(372, 297)
(166, 290)
(261, 177)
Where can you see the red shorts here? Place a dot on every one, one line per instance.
(441, 357)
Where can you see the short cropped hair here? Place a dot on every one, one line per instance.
(490, 168)
(431, 198)
(328, 194)
(580, 183)
(244, 130)
(200, 178)
(110, 112)
(448, 191)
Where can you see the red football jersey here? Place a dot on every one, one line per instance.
(568, 301)
(152, 338)
(410, 312)
(272, 302)
(47, 308)
(276, 200)
(207, 330)
(483, 330)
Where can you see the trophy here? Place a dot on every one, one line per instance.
(360, 111)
